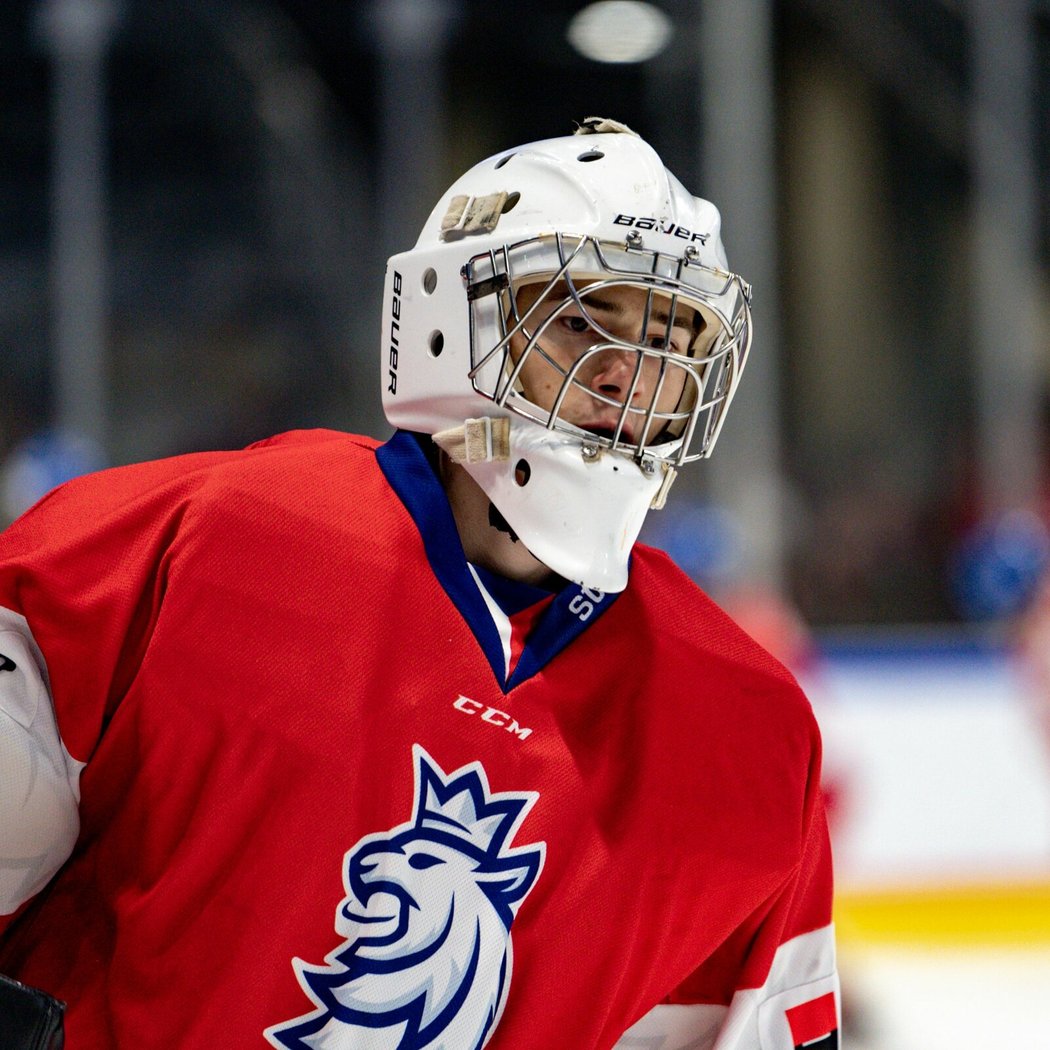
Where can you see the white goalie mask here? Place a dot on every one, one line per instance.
(568, 330)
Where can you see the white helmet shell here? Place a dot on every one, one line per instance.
(582, 216)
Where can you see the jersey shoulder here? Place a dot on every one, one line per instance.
(682, 609)
(148, 503)
(193, 472)
(700, 641)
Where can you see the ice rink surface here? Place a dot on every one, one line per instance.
(938, 999)
(940, 770)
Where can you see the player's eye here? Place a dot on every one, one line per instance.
(575, 324)
(422, 861)
(661, 342)
(667, 341)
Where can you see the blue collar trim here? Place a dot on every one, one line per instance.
(409, 472)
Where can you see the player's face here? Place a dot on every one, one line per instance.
(608, 378)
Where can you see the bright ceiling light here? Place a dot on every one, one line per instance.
(619, 31)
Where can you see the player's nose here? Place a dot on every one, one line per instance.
(617, 374)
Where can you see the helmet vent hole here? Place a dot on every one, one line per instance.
(503, 160)
(436, 343)
(591, 154)
(512, 199)
(430, 281)
(522, 472)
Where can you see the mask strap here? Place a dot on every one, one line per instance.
(484, 440)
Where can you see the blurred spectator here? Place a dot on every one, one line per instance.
(39, 463)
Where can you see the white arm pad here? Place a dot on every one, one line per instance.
(39, 780)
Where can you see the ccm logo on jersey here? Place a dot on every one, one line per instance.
(395, 328)
(491, 715)
(672, 229)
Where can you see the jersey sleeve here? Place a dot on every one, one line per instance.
(774, 985)
(81, 580)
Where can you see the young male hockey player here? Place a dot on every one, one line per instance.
(330, 744)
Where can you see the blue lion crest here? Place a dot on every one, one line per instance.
(426, 960)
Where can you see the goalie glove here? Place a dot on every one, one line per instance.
(30, 1019)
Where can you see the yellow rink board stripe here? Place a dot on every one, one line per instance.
(1015, 914)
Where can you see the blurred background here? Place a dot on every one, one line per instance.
(196, 206)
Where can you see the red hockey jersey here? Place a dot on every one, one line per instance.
(334, 794)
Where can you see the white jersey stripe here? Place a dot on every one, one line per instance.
(803, 970)
(499, 618)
